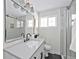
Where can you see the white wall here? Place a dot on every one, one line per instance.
(51, 34)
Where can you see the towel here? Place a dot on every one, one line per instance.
(73, 41)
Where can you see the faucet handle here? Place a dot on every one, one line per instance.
(24, 40)
(36, 35)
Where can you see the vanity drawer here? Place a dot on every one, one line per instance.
(39, 54)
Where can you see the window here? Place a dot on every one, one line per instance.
(18, 24)
(73, 19)
(52, 21)
(30, 23)
(73, 16)
(48, 21)
(43, 22)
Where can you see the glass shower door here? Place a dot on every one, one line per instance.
(71, 32)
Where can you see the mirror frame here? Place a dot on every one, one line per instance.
(15, 39)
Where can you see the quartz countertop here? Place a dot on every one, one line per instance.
(22, 51)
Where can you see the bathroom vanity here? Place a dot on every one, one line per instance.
(17, 19)
(32, 49)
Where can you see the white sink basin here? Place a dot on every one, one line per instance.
(32, 44)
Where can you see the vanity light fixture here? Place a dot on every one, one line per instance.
(28, 6)
(31, 9)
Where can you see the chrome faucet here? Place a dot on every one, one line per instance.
(27, 38)
(23, 35)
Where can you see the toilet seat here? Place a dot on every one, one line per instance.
(47, 47)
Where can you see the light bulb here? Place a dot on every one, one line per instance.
(32, 9)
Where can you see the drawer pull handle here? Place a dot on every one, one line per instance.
(41, 55)
(34, 57)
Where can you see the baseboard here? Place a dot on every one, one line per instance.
(55, 52)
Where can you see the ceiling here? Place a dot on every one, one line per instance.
(40, 5)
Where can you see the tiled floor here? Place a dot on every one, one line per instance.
(70, 57)
(53, 56)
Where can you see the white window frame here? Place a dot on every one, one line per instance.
(48, 22)
(73, 18)
(55, 21)
(30, 25)
(41, 24)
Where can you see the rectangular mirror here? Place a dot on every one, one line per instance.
(15, 21)
(14, 28)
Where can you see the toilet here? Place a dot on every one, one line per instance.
(47, 49)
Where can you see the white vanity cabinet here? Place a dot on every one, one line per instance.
(21, 51)
(39, 54)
